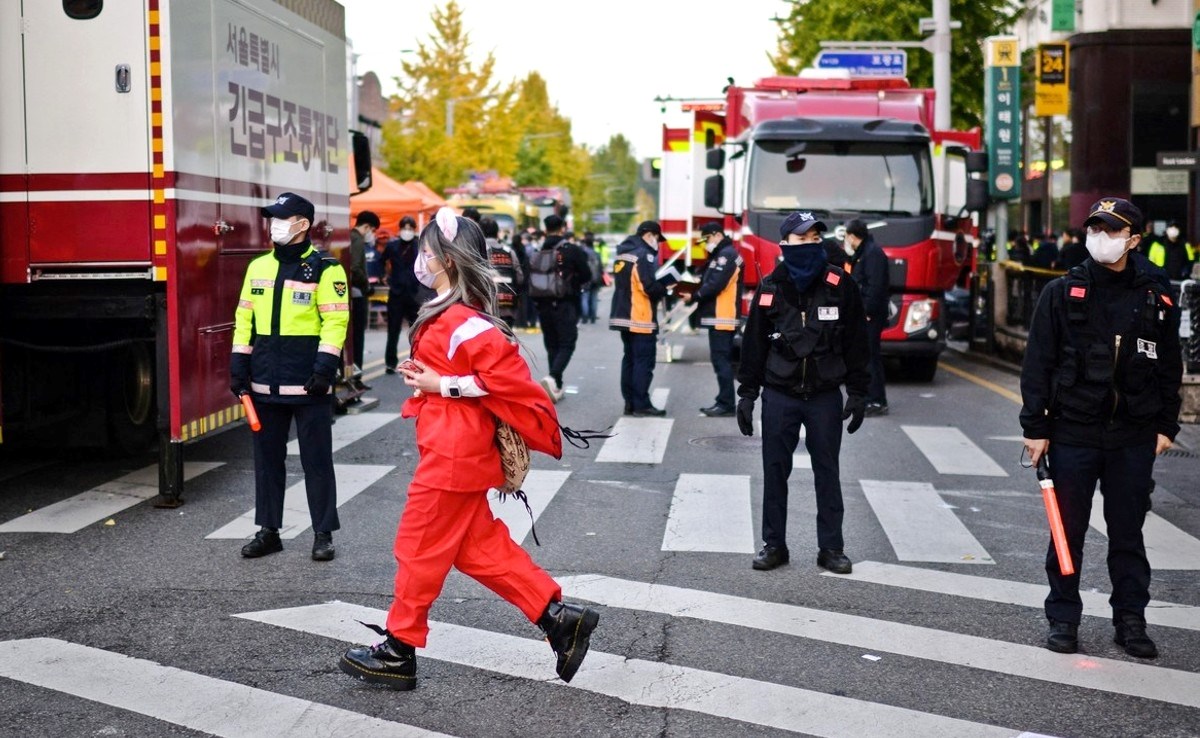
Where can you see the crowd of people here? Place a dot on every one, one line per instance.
(1169, 250)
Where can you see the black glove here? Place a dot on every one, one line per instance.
(745, 416)
(239, 386)
(856, 405)
(317, 385)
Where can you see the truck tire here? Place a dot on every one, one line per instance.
(131, 407)
(921, 368)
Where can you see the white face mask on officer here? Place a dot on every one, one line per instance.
(281, 231)
(407, 234)
(1172, 233)
(1106, 248)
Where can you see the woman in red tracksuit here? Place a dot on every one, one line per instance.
(466, 372)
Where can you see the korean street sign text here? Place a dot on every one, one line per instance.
(1051, 92)
(1002, 105)
(890, 63)
(1062, 15)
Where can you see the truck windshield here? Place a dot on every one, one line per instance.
(859, 176)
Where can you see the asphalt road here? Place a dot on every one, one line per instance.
(140, 624)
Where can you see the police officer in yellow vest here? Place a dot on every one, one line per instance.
(1173, 254)
(718, 299)
(289, 329)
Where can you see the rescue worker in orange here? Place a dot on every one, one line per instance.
(719, 299)
(467, 373)
(634, 313)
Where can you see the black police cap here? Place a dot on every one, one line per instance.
(800, 222)
(1117, 213)
(710, 228)
(289, 204)
(649, 226)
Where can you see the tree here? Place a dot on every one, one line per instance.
(813, 21)
(614, 174)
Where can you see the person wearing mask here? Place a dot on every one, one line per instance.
(1100, 389)
(805, 337)
(591, 293)
(506, 269)
(1173, 254)
(1073, 252)
(634, 312)
(869, 270)
(467, 374)
(558, 272)
(289, 330)
(362, 239)
(718, 301)
(405, 293)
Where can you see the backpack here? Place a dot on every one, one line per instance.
(546, 280)
(595, 267)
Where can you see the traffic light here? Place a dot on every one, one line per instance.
(652, 168)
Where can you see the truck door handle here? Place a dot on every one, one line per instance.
(220, 228)
(123, 78)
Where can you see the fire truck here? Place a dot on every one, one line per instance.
(841, 148)
(138, 140)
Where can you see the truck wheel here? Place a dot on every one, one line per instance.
(921, 368)
(131, 406)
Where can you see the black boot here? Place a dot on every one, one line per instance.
(1063, 637)
(568, 630)
(391, 663)
(323, 547)
(1131, 633)
(266, 541)
(771, 557)
(834, 560)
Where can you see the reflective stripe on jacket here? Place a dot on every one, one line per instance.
(635, 291)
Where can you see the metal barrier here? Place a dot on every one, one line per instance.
(1024, 285)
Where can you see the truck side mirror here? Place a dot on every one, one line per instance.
(714, 191)
(715, 159)
(977, 162)
(977, 195)
(361, 147)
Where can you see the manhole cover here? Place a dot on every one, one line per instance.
(727, 443)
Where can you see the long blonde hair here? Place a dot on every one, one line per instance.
(459, 246)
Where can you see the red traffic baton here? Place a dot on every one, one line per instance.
(251, 413)
(1057, 533)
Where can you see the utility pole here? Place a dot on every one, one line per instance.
(940, 46)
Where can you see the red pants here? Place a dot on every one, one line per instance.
(443, 529)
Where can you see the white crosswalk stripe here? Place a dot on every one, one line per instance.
(76, 513)
(172, 695)
(351, 479)
(540, 488)
(951, 452)
(710, 512)
(350, 428)
(648, 683)
(920, 525)
(658, 397)
(637, 441)
(1167, 547)
(1008, 592)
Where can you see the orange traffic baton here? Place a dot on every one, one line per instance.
(251, 414)
(1057, 532)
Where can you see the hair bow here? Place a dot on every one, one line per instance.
(447, 222)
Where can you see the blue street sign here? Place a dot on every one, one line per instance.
(893, 63)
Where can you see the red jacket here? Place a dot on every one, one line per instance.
(456, 436)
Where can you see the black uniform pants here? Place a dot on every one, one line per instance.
(1124, 475)
(360, 310)
(314, 431)
(401, 308)
(876, 390)
(720, 353)
(637, 368)
(560, 331)
(821, 417)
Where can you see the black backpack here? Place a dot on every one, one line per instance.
(546, 280)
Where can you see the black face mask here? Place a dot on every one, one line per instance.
(804, 262)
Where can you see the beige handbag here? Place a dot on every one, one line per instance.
(514, 457)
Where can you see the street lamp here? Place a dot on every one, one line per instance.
(451, 102)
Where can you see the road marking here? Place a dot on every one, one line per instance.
(172, 695)
(710, 512)
(920, 526)
(658, 397)
(1167, 547)
(647, 683)
(637, 441)
(78, 512)
(1016, 439)
(1002, 391)
(1008, 592)
(801, 461)
(351, 479)
(350, 428)
(540, 487)
(946, 647)
(951, 452)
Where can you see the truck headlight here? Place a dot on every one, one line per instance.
(919, 317)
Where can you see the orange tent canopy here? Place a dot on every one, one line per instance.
(391, 200)
(431, 199)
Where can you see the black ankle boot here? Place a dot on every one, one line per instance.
(266, 541)
(391, 663)
(568, 630)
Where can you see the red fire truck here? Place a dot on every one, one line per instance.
(841, 148)
(138, 140)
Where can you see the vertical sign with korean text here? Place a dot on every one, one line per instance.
(1051, 95)
(1062, 15)
(1002, 112)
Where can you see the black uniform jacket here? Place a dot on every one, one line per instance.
(1103, 363)
(770, 357)
(871, 274)
(719, 296)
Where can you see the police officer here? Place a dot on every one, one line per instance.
(1173, 254)
(634, 312)
(869, 267)
(289, 329)
(1100, 385)
(719, 300)
(805, 336)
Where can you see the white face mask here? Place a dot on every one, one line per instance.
(281, 231)
(369, 239)
(1106, 249)
(407, 234)
(712, 243)
(1172, 233)
(421, 269)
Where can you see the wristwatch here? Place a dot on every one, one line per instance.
(452, 388)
